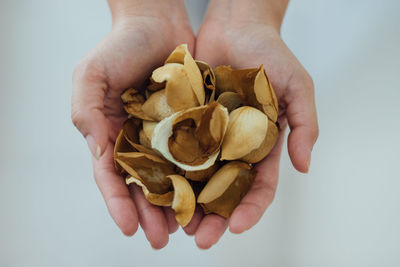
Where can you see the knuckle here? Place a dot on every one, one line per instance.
(88, 68)
(308, 82)
(315, 132)
(79, 68)
(76, 117)
(301, 82)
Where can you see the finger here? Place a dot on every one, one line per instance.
(88, 90)
(151, 218)
(171, 221)
(261, 193)
(302, 117)
(194, 223)
(210, 230)
(115, 193)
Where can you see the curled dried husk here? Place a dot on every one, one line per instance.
(184, 201)
(125, 138)
(230, 100)
(207, 74)
(121, 145)
(151, 170)
(181, 55)
(181, 197)
(144, 140)
(155, 86)
(266, 146)
(133, 102)
(184, 83)
(154, 198)
(226, 188)
(178, 90)
(246, 132)
(191, 139)
(142, 149)
(144, 136)
(223, 79)
(254, 88)
(156, 106)
(146, 133)
(130, 128)
(202, 174)
(148, 128)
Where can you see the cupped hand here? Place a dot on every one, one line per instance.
(136, 45)
(247, 44)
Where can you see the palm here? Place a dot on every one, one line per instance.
(126, 57)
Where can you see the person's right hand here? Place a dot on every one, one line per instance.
(143, 35)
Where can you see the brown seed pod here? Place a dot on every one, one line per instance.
(230, 100)
(156, 106)
(133, 102)
(191, 139)
(202, 174)
(149, 169)
(223, 78)
(226, 188)
(184, 202)
(254, 88)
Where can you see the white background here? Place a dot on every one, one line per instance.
(344, 213)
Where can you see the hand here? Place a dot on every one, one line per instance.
(137, 44)
(246, 43)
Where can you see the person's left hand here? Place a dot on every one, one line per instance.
(247, 45)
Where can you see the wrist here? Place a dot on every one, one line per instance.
(238, 13)
(173, 11)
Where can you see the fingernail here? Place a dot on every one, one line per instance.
(98, 152)
(93, 146)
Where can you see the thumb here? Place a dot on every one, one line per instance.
(88, 90)
(302, 118)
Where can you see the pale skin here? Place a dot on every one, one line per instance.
(240, 33)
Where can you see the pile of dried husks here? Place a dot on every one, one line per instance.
(193, 134)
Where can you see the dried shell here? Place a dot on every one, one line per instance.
(266, 95)
(230, 100)
(144, 140)
(181, 198)
(226, 188)
(126, 137)
(155, 86)
(142, 149)
(191, 139)
(246, 131)
(254, 88)
(156, 106)
(181, 55)
(121, 145)
(154, 198)
(184, 201)
(133, 102)
(178, 90)
(202, 174)
(130, 133)
(223, 78)
(208, 75)
(149, 169)
(265, 147)
(148, 128)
